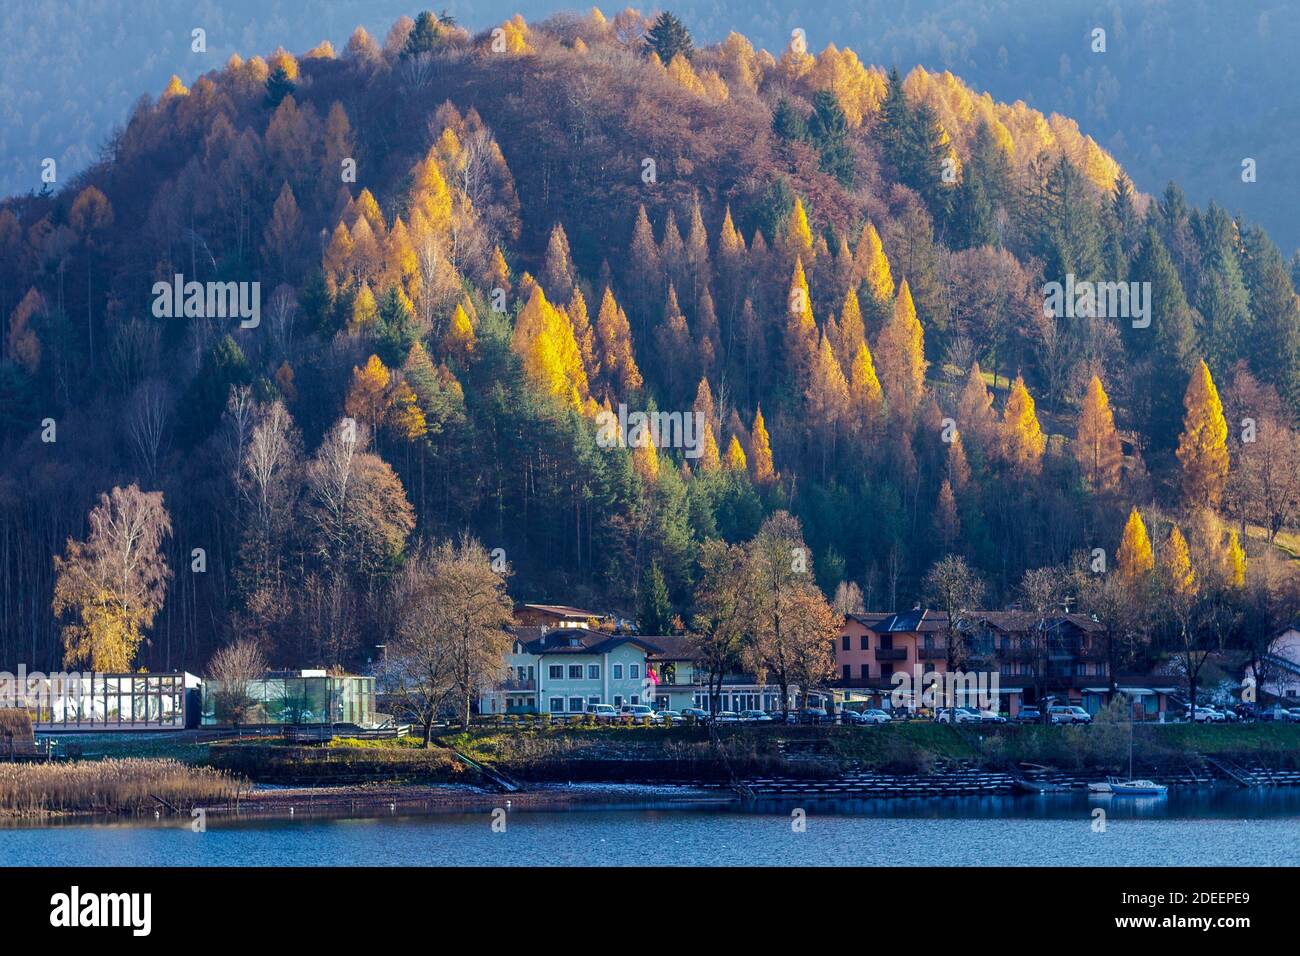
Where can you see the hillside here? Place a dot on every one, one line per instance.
(837, 267)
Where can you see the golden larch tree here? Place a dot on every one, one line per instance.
(1096, 443)
(1177, 564)
(1022, 436)
(762, 467)
(900, 356)
(1134, 560)
(1203, 444)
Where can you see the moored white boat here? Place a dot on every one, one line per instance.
(1138, 788)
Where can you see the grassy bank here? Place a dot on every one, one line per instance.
(111, 787)
(687, 753)
(339, 763)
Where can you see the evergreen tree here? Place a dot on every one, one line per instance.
(828, 131)
(1274, 345)
(424, 36)
(278, 86)
(667, 37)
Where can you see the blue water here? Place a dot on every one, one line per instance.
(1225, 827)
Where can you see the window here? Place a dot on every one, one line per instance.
(862, 643)
(886, 642)
(557, 673)
(618, 672)
(634, 671)
(846, 639)
(593, 672)
(575, 672)
(557, 705)
(848, 670)
(866, 671)
(575, 704)
(618, 700)
(593, 700)
(636, 699)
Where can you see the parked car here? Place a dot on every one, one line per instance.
(813, 715)
(1029, 715)
(755, 717)
(667, 716)
(989, 717)
(637, 712)
(875, 716)
(602, 711)
(695, 713)
(1062, 714)
(852, 717)
(727, 717)
(783, 718)
(957, 715)
(1204, 715)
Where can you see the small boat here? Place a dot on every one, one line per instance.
(1099, 787)
(1138, 788)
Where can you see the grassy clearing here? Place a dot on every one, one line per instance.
(111, 786)
(339, 763)
(180, 747)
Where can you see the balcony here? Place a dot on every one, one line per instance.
(932, 653)
(891, 653)
(514, 684)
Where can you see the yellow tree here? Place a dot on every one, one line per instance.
(543, 337)
(1234, 559)
(761, 468)
(796, 238)
(459, 338)
(405, 417)
(1023, 438)
(368, 397)
(1178, 565)
(800, 327)
(614, 345)
(850, 332)
(871, 266)
(736, 456)
(1203, 445)
(114, 583)
(1096, 443)
(826, 400)
(866, 400)
(1134, 560)
(900, 353)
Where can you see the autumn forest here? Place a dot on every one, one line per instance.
(467, 247)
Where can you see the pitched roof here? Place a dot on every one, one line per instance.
(561, 610)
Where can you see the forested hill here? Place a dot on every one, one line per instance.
(471, 245)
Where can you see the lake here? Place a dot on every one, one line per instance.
(1194, 828)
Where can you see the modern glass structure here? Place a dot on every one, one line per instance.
(301, 697)
(59, 702)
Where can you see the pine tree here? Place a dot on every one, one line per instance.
(656, 613)
(1096, 444)
(1023, 439)
(1274, 346)
(1165, 351)
(667, 37)
(1134, 560)
(1202, 447)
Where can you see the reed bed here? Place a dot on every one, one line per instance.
(112, 787)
